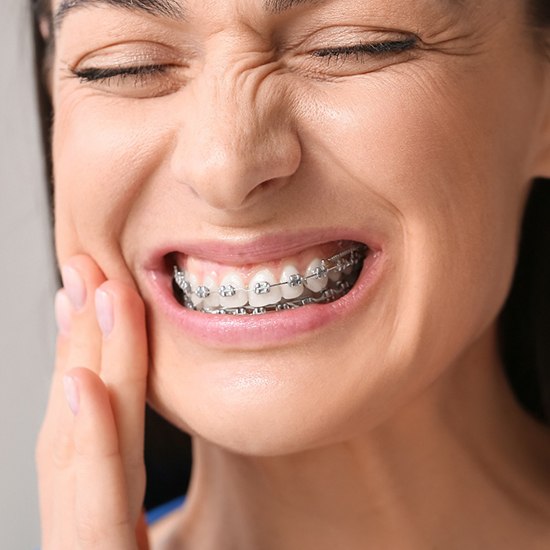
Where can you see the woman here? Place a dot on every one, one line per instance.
(317, 207)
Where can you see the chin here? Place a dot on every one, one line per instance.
(276, 403)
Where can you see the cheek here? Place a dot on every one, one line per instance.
(430, 154)
(103, 157)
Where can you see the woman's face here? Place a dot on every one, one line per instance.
(237, 136)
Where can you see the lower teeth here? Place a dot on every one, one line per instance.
(350, 259)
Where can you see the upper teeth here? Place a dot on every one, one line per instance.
(263, 289)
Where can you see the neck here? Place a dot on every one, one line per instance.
(425, 478)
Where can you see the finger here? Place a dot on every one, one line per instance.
(121, 314)
(141, 533)
(63, 314)
(74, 315)
(78, 342)
(102, 519)
(54, 448)
(81, 277)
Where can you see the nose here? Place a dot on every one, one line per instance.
(236, 140)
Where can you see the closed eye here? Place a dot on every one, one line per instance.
(99, 74)
(366, 49)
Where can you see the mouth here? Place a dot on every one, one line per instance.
(318, 275)
(263, 293)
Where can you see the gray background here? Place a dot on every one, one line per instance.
(26, 283)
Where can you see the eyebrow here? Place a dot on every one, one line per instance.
(162, 8)
(279, 6)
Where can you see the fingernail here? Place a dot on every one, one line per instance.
(104, 311)
(71, 394)
(63, 310)
(74, 286)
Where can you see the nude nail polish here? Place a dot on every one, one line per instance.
(63, 310)
(71, 394)
(104, 311)
(74, 286)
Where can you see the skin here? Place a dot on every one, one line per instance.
(418, 435)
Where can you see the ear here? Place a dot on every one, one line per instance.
(45, 28)
(542, 156)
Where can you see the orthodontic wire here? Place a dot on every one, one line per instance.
(264, 287)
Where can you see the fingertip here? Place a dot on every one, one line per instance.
(104, 310)
(72, 394)
(74, 285)
(63, 312)
(125, 297)
(95, 429)
(85, 391)
(81, 276)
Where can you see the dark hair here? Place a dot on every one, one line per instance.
(41, 12)
(540, 13)
(524, 324)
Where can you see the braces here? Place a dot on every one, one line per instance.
(349, 258)
(327, 296)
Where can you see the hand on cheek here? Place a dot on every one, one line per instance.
(90, 449)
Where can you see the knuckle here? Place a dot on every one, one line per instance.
(89, 450)
(62, 452)
(92, 532)
(87, 532)
(81, 349)
(55, 451)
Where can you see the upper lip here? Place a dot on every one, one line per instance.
(262, 249)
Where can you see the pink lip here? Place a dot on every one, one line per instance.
(264, 249)
(262, 331)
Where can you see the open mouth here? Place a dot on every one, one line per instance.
(319, 275)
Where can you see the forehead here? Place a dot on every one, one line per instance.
(177, 8)
(171, 7)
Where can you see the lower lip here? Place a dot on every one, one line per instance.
(265, 330)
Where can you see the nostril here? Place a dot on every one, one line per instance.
(230, 161)
(269, 186)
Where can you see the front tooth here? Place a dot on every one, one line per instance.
(231, 292)
(294, 286)
(318, 276)
(261, 291)
(213, 299)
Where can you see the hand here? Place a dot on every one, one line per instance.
(90, 449)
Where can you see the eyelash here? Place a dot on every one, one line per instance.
(366, 49)
(140, 74)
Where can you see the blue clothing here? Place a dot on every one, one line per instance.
(163, 510)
